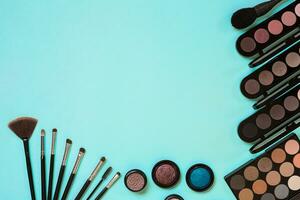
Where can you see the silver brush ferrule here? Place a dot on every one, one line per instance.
(96, 170)
(54, 132)
(42, 143)
(66, 153)
(78, 160)
(113, 180)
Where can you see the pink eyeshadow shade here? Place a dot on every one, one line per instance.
(261, 35)
(297, 10)
(289, 18)
(275, 27)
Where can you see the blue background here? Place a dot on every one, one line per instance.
(137, 81)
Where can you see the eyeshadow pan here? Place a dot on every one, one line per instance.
(249, 130)
(266, 77)
(135, 180)
(199, 177)
(275, 27)
(246, 194)
(279, 68)
(252, 86)
(293, 59)
(273, 178)
(297, 10)
(296, 161)
(277, 112)
(265, 164)
(291, 103)
(286, 169)
(294, 183)
(278, 156)
(263, 121)
(251, 173)
(289, 18)
(237, 182)
(259, 187)
(165, 174)
(267, 196)
(248, 44)
(174, 197)
(292, 147)
(281, 191)
(261, 35)
(298, 94)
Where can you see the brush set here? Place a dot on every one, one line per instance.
(24, 127)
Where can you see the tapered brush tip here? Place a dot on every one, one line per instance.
(103, 159)
(69, 141)
(54, 130)
(23, 127)
(82, 150)
(43, 132)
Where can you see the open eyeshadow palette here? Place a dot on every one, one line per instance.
(273, 175)
(272, 118)
(259, 39)
(275, 73)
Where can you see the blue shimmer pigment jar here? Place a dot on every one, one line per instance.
(200, 177)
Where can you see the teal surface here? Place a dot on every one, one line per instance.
(137, 81)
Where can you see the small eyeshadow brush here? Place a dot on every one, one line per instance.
(73, 173)
(104, 176)
(62, 169)
(108, 186)
(43, 165)
(52, 160)
(90, 179)
(23, 127)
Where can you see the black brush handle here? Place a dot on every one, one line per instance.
(265, 7)
(101, 194)
(43, 177)
(51, 170)
(59, 182)
(68, 187)
(95, 189)
(29, 168)
(83, 190)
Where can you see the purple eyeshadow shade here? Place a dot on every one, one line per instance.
(262, 35)
(289, 18)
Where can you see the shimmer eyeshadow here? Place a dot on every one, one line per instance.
(165, 174)
(174, 197)
(200, 177)
(135, 180)
(270, 176)
(273, 74)
(258, 39)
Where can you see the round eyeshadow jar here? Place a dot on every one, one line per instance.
(135, 180)
(174, 197)
(165, 174)
(200, 177)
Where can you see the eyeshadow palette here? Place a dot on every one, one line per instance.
(273, 175)
(276, 72)
(273, 118)
(258, 39)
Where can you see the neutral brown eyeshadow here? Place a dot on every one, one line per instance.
(248, 44)
(249, 130)
(251, 173)
(293, 59)
(286, 169)
(265, 164)
(263, 121)
(252, 86)
(291, 103)
(281, 191)
(273, 178)
(268, 196)
(246, 194)
(277, 112)
(135, 181)
(266, 78)
(278, 155)
(259, 187)
(279, 68)
(237, 182)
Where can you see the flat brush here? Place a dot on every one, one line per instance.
(43, 165)
(104, 176)
(108, 186)
(90, 179)
(52, 161)
(62, 169)
(23, 127)
(73, 173)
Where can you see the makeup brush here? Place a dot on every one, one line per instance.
(247, 16)
(43, 165)
(90, 179)
(73, 173)
(52, 160)
(108, 186)
(62, 169)
(104, 176)
(23, 127)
